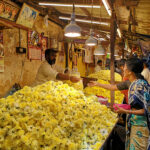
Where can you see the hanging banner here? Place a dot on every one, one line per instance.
(53, 43)
(75, 60)
(44, 45)
(89, 55)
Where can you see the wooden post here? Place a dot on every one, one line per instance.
(66, 53)
(112, 45)
(122, 53)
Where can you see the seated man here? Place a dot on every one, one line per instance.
(46, 71)
(98, 66)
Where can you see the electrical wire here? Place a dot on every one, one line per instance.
(92, 16)
(100, 11)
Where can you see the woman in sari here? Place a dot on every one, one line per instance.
(138, 120)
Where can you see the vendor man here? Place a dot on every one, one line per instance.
(46, 72)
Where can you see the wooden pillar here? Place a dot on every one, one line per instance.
(112, 45)
(66, 53)
(122, 53)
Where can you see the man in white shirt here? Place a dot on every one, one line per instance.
(98, 66)
(46, 71)
(146, 72)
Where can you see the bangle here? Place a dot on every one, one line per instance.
(129, 112)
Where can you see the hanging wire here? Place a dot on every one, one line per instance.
(73, 7)
(100, 3)
(92, 15)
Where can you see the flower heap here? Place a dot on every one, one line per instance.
(105, 75)
(103, 92)
(53, 116)
(77, 86)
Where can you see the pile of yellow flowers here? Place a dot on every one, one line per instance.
(105, 75)
(77, 86)
(103, 92)
(53, 116)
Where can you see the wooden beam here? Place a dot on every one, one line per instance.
(87, 2)
(105, 43)
(10, 23)
(107, 20)
(4, 24)
(86, 12)
(85, 31)
(127, 3)
(48, 10)
(130, 3)
(53, 10)
(87, 26)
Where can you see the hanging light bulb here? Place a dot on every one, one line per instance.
(116, 53)
(117, 58)
(72, 29)
(91, 41)
(99, 50)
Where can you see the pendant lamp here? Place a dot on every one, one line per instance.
(91, 41)
(116, 53)
(117, 57)
(72, 29)
(99, 50)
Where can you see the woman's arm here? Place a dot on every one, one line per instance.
(135, 112)
(112, 87)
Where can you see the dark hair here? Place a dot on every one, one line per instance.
(50, 51)
(135, 65)
(121, 62)
(99, 61)
(145, 61)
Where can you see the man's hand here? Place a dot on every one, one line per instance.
(74, 79)
(92, 83)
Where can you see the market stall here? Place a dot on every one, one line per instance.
(65, 115)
